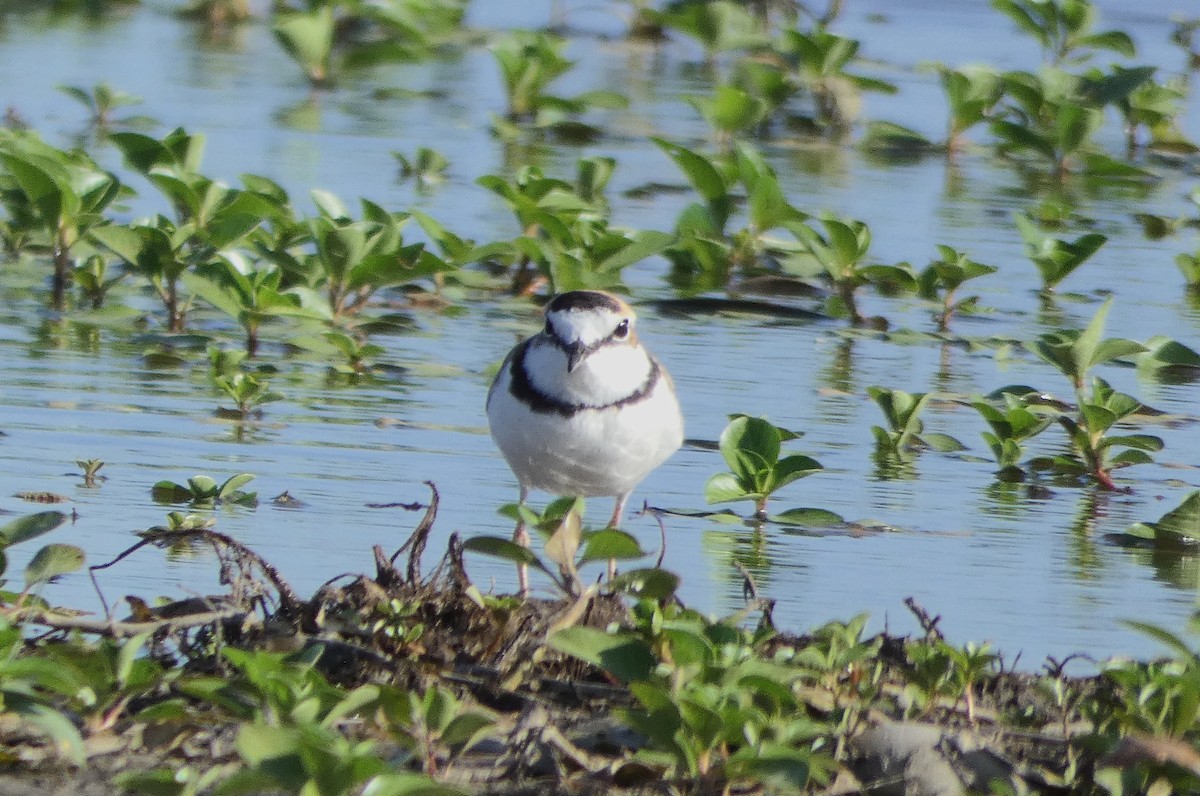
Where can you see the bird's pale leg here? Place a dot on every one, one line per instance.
(521, 537)
(615, 522)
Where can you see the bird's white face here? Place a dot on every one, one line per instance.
(589, 355)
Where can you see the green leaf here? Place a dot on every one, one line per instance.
(623, 655)
(503, 548)
(808, 518)
(650, 583)
(611, 543)
(51, 561)
(408, 785)
(30, 526)
(725, 488)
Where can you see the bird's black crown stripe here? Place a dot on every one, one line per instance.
(584, 300)
(523, 390)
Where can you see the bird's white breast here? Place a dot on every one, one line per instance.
(617, 433)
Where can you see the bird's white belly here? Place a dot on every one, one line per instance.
(595, 452)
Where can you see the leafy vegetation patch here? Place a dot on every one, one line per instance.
(398, 682)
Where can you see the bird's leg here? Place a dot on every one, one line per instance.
(521, 537)
(615, 522)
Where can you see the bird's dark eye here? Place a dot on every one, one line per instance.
(622, 329)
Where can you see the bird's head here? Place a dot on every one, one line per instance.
(583, 322)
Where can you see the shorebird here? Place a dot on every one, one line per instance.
(582, 408)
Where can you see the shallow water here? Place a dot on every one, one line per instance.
(1032, 574)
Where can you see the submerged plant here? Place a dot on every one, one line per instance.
(841, 253)
(1055, 258)
(1075, 353)
(249, 394)
(1011, 425)
(906, 431)
(942, 278)
(971, 94)
(204, 492)
(101, 102)
(753, 450)
(529, 64)
(566, 236)
(307, 36)
(820, 58)
(1065, 29)
(56, 201)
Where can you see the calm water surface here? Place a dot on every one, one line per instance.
(1034, 575)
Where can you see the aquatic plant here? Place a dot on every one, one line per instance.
(820, 59)
(1065, 29)
(91, 471)
(567, 546)
(1098, 409)
(307, 36)
(101, 102)
(248, 392)
(841, 253)
(718, 26)
(1012, 424)
(706, 254)
(905, 432)
(752, 448)
(56, 200)
(529, 63)
(427, 166)
(205, 492)
(971, 94)
(352, 259)
(941, 279)
(566, 237)
(1056, 258)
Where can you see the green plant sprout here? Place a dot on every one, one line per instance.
(566, 237)
(529, 63)
(567, 546)
(1178, 529)
(201, 491)
(307, 36)
(101, 103)
(719, 26)
(841, 253)
(971, 94)
(820, 59)
(94, 279)
(249, 394)
(435, 726)
(1075, 353)
(906, 431)
(48, 563)
(1056, 259)
(711, 711)
(1065, 29)
(427, 166)
(91, 472)
(753, 450)
(57, 200)
(942, 278)
(706, 254)
(1011, 425)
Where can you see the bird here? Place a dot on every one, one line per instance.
(582, 408)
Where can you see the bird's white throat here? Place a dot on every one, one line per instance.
(608, 375)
